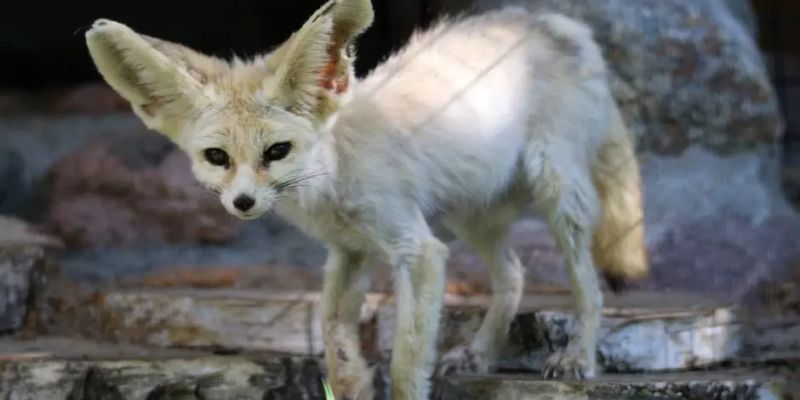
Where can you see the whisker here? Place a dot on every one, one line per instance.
(207, 190)
(291, 187)
(293, 182)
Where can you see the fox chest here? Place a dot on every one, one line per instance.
(332, 227)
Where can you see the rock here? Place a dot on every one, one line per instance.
(64, 368)
(232, 320)
(271, 277)
(726, 256)
(750, 385)
(90, 98)
(118, 193)
(18, 277)
(42, 140)
(718, 255)
(12, 186)
(208, 278)
(94, 385)
(641, 332)
(791, 173)
(670, 342)
(773, 337)
(685, 72)
(14, 103)
(782, 298)
(131, 379)
(24, 267)
(106, 181)
(744, 12)
(75, 369)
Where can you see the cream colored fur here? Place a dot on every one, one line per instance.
(473, 121)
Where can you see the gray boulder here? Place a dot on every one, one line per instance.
(24, 268)
(685, 72)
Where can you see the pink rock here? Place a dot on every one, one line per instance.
(90, 98)
(99, 201)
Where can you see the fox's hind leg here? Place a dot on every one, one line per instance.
(345, 284)
(564, 193)
(487, 234)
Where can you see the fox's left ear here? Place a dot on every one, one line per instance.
(316, 66)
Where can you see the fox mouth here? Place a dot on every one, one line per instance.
(248, 215)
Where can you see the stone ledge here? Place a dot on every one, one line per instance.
(24, 267)
(55, 368)
(641, 332)
(734, 384)
(73, 369)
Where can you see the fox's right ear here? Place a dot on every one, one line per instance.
(163, 81)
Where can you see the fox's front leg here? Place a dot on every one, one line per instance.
(345, 283)
(419, 281)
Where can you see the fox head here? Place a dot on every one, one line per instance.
(254, 130)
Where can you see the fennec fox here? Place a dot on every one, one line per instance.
(473, 121)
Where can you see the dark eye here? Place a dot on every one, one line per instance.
(217, 157)
(277, 152)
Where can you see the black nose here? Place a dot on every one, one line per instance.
(244, 202)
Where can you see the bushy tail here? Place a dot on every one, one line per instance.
(618, 248)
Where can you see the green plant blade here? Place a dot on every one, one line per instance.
(328, 390)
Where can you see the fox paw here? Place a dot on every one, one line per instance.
(463, 360)
(355, 387)
(568, 365)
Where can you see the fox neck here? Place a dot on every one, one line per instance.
(322, 169)
(342, 140)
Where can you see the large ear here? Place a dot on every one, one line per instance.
(163, 81)
(316, 64)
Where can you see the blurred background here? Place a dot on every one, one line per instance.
(711, 88)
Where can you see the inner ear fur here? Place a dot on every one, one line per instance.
(350, 19)
(317, 66)
(200, 66)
